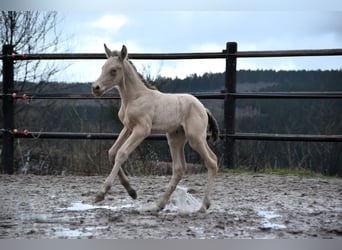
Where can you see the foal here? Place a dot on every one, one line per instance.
(146, 111)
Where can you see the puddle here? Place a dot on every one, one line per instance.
(79, 206)
(268, 214)
(198, 231)
(89, 231)
(267, 219)
(71, 233)
(180, 201)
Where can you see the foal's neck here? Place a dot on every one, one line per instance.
(132, 86)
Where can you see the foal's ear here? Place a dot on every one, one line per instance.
(108, 51)
(123, 53)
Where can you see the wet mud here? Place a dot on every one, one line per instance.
(243, 206)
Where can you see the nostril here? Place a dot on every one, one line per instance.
(96, 88)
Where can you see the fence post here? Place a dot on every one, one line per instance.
(229, 102)
(8, 109)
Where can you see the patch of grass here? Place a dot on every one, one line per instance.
(297, 172)
(279, 171)
(236, 171)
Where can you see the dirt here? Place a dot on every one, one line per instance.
(243, 206)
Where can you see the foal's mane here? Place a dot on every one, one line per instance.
(146, 83)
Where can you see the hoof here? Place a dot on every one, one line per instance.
(204, 207)
(99, 197)
(133, 194)
(202, 210)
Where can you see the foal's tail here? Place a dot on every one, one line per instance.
(213, 126)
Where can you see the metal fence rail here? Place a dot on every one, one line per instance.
(229, 95)
(236, 136)
(177, 56)
(249, 95)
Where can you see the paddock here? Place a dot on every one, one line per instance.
(243, 205)
(248, 206)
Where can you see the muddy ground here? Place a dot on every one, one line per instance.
(243, 206)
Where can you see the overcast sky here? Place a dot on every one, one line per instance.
(192, 26)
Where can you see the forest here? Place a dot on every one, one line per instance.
(294, 116)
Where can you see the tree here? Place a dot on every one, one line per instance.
(31, 32)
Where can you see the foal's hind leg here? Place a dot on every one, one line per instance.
(176, 141)
(199, 143)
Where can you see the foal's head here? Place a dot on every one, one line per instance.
(112, 71)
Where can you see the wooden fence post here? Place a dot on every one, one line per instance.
(8, 109)
(229, 102)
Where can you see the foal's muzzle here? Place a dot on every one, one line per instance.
(96, 90)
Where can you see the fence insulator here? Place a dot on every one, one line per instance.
(16, 55)
(17, 132)
(15, 96)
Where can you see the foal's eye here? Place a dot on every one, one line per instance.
(113, 72)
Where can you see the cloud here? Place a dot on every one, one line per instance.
(111, 22)
(179, 68)
(206, 31)
(167, 5)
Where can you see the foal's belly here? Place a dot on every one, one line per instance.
(167, 115)
(165, 123)
(164, 130)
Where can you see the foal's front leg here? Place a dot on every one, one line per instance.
(134, 139)
(124, 134)
(123, 180)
